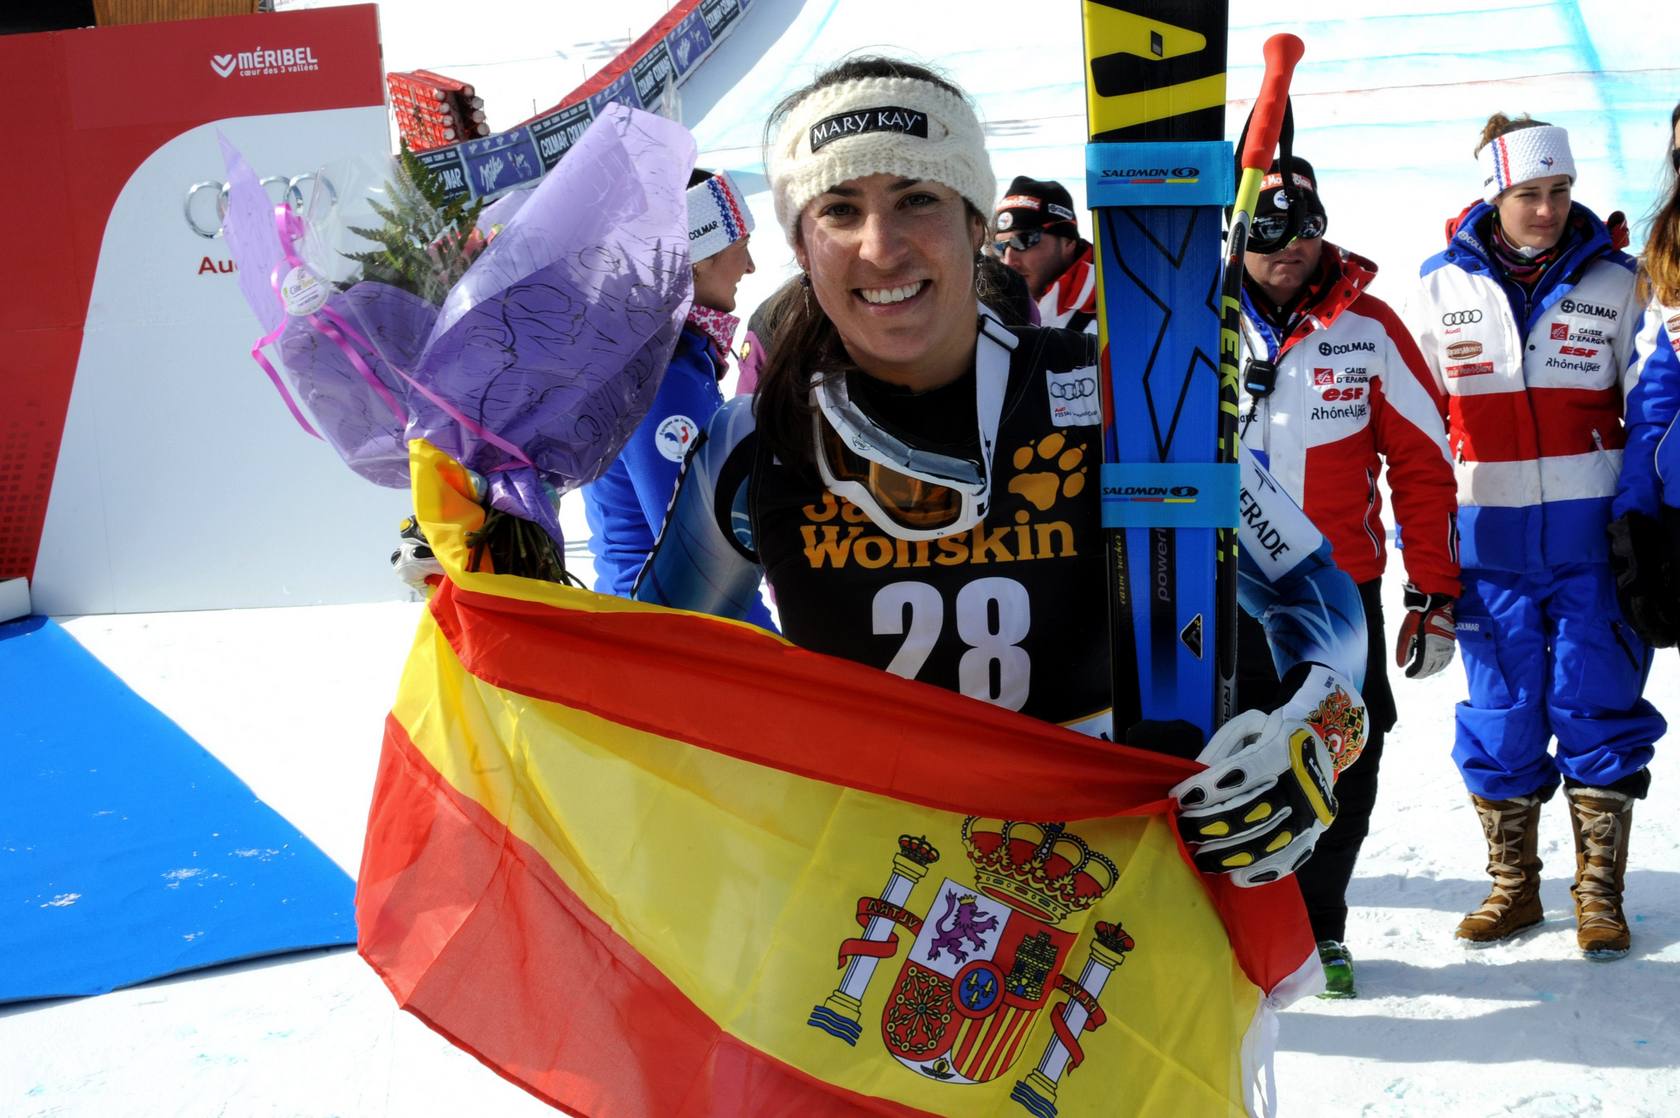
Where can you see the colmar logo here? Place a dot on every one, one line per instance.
(1330, 349)
(1322, 377)
(1570, 306)
(260, 62)
(1463, 351)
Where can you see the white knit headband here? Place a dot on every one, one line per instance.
(1524, 154)
(717, 216)
(873, 126)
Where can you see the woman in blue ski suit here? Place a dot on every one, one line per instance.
(626, 505)
(1527, 322)
(1645, 536)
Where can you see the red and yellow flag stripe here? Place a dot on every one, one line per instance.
(614, 851)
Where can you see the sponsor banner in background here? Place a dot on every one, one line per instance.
(641, 77)
(150, 460)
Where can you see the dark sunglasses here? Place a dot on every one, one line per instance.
(1674, 158)
(1271, 228)
(1020, 242)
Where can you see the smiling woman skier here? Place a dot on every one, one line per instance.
(1527, 321)
(917, 480)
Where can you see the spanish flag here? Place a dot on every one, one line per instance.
(647, 862)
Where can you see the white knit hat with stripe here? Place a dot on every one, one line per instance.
(717, 216)
(872, 126)
(1523, 154)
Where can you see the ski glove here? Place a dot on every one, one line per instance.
(1647, 575)
(1427, 637)
(413, 559)
(1268, 793)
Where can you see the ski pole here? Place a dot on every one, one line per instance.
(1265, 122)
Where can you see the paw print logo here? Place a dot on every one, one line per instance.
(1047, 472)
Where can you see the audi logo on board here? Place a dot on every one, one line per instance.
(207, 202)
(1076, 390)
(1460, 318)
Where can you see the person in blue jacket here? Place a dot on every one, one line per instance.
(626, 505)
(1645, 534)
(1527, 322)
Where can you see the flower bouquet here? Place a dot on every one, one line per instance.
(525, 338)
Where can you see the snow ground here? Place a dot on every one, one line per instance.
(1390, 97)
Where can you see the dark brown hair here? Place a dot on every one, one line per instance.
(806, 342)
(1499, 124)
(1660, 262)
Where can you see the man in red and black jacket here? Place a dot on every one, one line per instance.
(1034, 233)
(1334, 389)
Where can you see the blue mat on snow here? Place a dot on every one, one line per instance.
(128, 852)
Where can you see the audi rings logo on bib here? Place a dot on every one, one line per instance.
(206, 203)
(1461, 318)
(1073, 398)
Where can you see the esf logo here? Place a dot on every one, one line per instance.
(1334, 394)
(1570, 306)
(1330, 349)
(1461, 318)
(1073, 389)
(1577, 351)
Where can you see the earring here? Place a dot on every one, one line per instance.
(805, 280)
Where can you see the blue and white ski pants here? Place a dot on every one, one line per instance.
(1548, 655)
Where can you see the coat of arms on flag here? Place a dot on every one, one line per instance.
(986, 958)
(563, 795)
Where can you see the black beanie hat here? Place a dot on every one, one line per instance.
(1303, 184)
(1031, 204)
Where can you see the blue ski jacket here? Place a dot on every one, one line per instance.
(1651, 460)
(626, 505)
(1535, 383)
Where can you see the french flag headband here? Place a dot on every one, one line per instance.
(1523, 154)
(717, 216)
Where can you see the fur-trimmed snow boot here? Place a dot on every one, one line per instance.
(1512, 830)
(1600, 819)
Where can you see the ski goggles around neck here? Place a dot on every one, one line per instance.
(910, 492)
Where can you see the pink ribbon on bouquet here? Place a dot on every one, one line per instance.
(335, 329)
